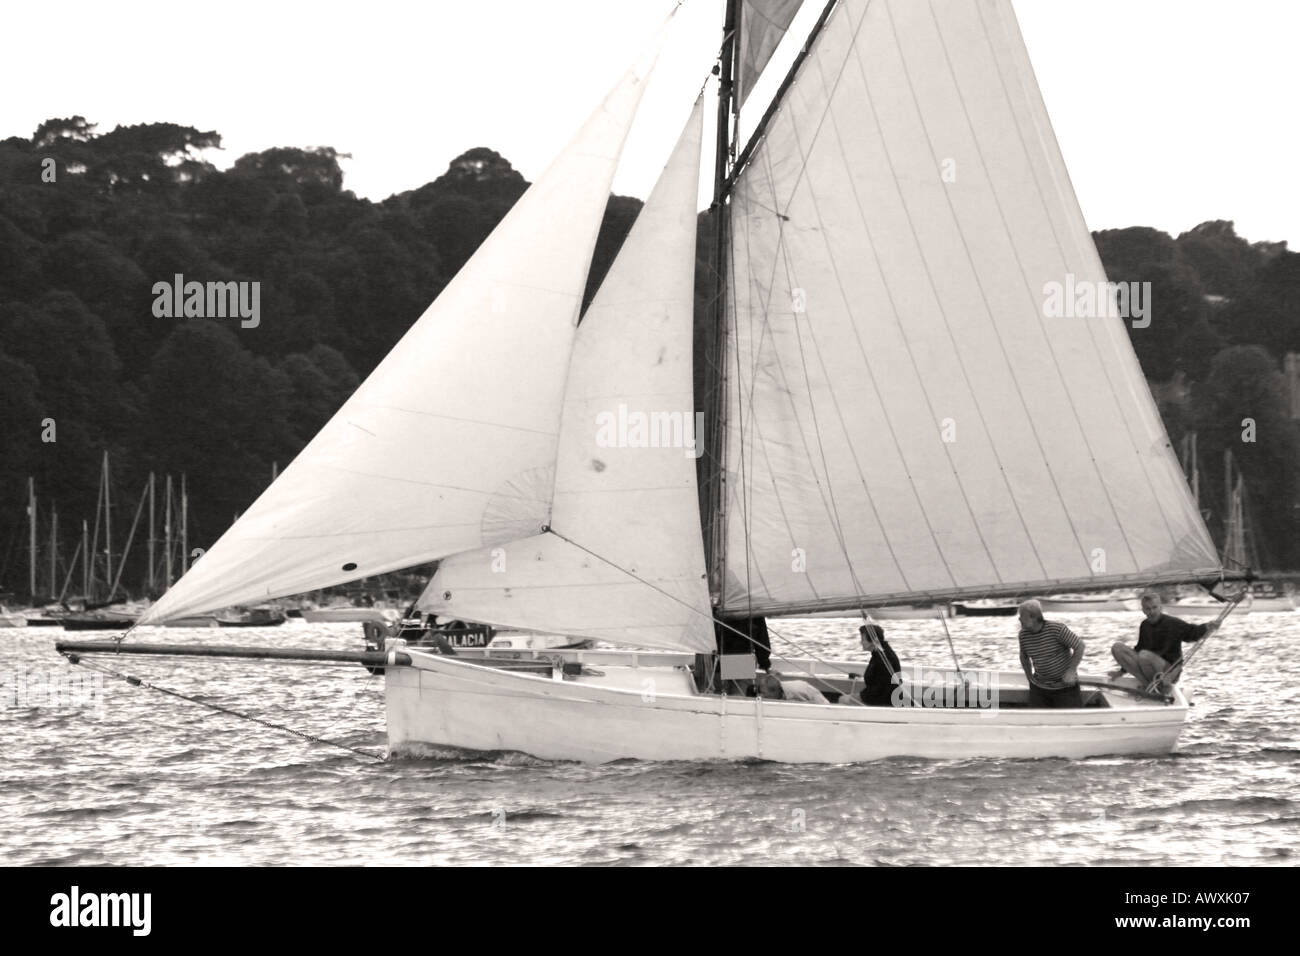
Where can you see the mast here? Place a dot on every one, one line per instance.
(108, 527)
(167, 531)
(85, 561)
(185, 515)
(712, 481)
(152, 584)
(1196, 475)
(1228, 513)
(31, 525)
(54, 550)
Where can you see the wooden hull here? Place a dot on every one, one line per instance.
(654, 714)
(96, 624)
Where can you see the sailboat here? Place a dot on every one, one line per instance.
(888, 417)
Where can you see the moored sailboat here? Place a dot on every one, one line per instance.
(889, 418)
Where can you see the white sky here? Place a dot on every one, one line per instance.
(1169, 112)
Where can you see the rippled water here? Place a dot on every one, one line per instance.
(143, 778)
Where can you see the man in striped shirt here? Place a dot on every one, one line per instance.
(1050, 654)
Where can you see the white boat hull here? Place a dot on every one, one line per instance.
(1103, 605)
(347, 615)
(1207, 607)
(655, 715)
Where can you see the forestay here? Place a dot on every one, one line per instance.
(450, 443)
(904, 416)
(624, 561)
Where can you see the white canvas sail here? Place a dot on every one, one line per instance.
(624, 561)
(904, 416)
(450, 442)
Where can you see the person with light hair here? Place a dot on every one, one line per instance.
(1158, 657)
(1050, 654)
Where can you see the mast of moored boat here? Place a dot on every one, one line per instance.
(167, 531)
(152, 580)
(85, 562)
(108, 527)
(185, 531)
(54, 550)
(31, 525)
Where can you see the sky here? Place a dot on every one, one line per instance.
(1168, 112)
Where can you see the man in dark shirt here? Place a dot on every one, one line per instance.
(878, 681)
(1160, 639)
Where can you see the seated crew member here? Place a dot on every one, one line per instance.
(878, 680)
(1159, 647)
(1050, 654)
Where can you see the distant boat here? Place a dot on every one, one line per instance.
(342, 615)
(894, 612)
(252, 617)
(114, 617)
(1206, 605)
(1090, 603)
(985, 609)
(12, 619)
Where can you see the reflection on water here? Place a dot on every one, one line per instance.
(136, 777)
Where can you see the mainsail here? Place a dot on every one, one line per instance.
(450, 443)
(623, 560)
(903, 418)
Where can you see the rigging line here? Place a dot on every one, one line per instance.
(694, 610)
(1176, 671)
(139, 682)
(948, 634)
(1015, 250)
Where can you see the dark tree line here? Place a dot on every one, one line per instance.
(84, 238)
(90, 220)
(1224, 314)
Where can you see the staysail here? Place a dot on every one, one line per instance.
(623, 560)
(906, 416)
(450, 443)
